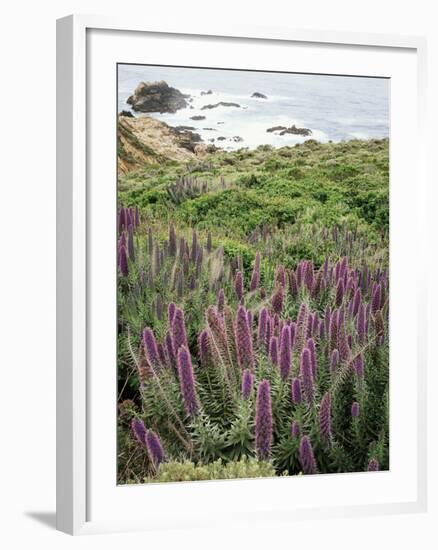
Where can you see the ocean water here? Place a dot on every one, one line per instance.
(335, 108)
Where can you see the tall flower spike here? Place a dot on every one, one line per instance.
(220, 301)
(247, 383)
(179, 330)
(255, 277)
(307, 458)
(334, 361)
(273, 350)
(357, 300)
(313, 361)
(244, 341)
(293, 285)
(263, 428)
(172, 241)
(187, 382)
(339, 293)
(261, 332)
(171, 308)
(325, 421)
(373, 465)
(204, 348)
(131, 250)
(295, 430)
(238, 285)
(359, 366)
(296, 391)
(123, 262)
(355, 409)
(277, 300)
(155, 450)
(362, 324)
(306, 375)
(138, 430)
(376, 302)
(285, 353)
(150, 347)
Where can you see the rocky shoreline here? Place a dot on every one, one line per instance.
(159, 97)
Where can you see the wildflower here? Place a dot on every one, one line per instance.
(244, 340)
(285, 353)
(296, 391)
(325, 423)
(306, 375)
(247, 383)
(187, 381)
(263, 428)
(155, 450)
(139, 430)
(306, 456)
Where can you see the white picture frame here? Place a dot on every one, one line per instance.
(75, 226)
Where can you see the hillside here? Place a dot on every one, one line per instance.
(144, 140)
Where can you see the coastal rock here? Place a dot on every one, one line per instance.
(186, 138)
(198, 117)
(126, 113)
(204, 149)
(208, 92)
(237, 139)
(183, 128)
(157, 97)
(221, 138)
(259, 95)
(220, 104)
(210, 129)
(282, 130)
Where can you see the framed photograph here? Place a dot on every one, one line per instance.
(240, 334)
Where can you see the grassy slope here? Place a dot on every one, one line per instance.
(334, 183)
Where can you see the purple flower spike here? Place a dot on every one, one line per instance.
(357, 300)
(150, 347)
(263, 428)
(362, 324)
(171, 308)
(244, 340)
(296, 391)
(123, 262)
(137, 216)
(204, 348)
(187, 381)
(285, 353)
(247, 383)
(295, 430)
(155, 450)
(238, 285)
(131, 250)
(261, 332)
(307, 458)
(334, 361)
(313, 361)
(325, 422)
(273, 350)
(277, 300)
(339, 293)
(179, 330)
(220, 301)
(359, 366)
(306, 375)
(355, 409)
(377, 297)
(373, 465)
(172, 241)
(255, 277)
(139, 430)
(170, 350)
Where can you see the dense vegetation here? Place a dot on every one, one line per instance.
(253, 314)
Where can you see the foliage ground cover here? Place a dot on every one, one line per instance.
(253, 300)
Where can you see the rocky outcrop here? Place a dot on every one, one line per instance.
(282, 130)
(198, 117)
(259, 95)
(157, 97)
(145, 140)
(126, 113)
(220, 104)
(208, 92)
